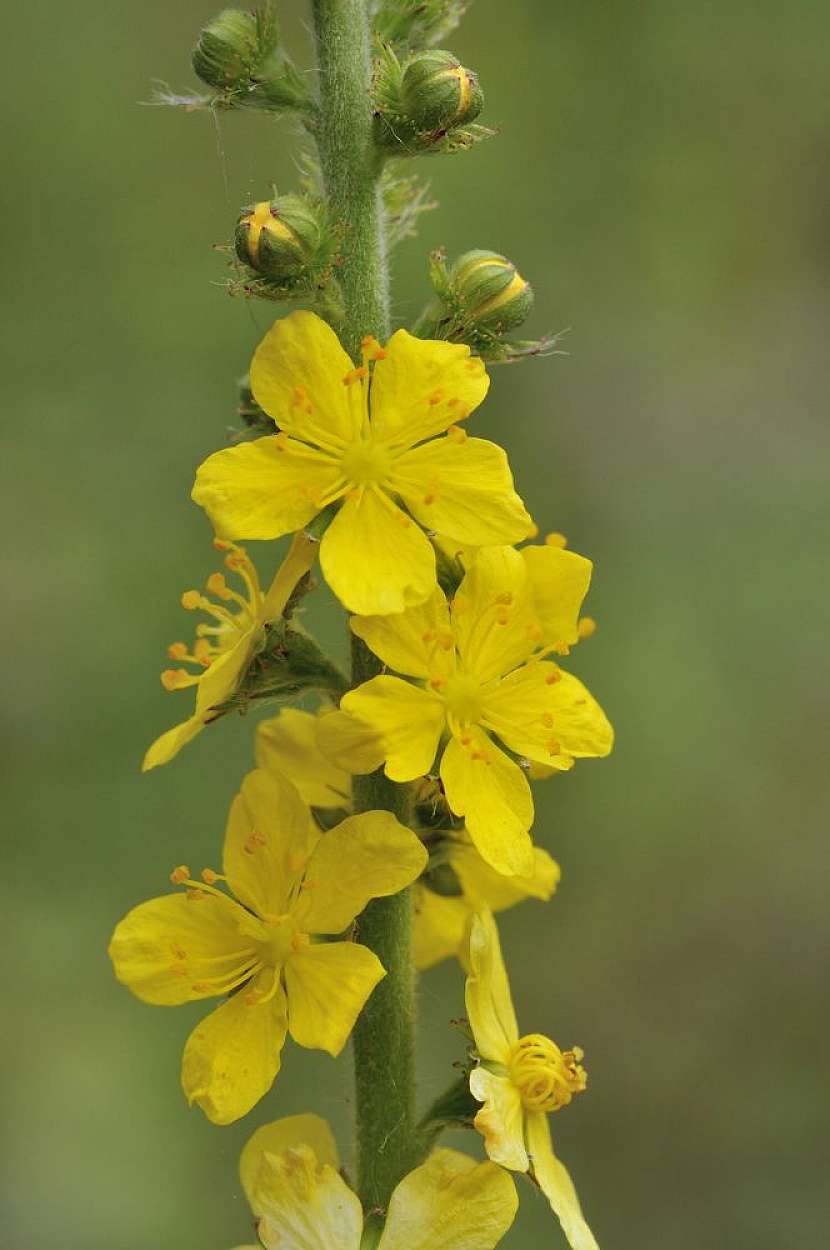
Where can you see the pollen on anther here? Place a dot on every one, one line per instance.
(456, 435)
(177, 650)
(435, 398)
(556, 540)
(210, 877)
(547, 720)
(552, 747)
(553, 678)
(180, 874)
(586, 627)
(430, 498)
(428, 637)
(191, 600)
(299, 395)
(221, 544)
(216, 584)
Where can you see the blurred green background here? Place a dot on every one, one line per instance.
(662, 178)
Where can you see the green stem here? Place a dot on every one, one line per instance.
(384, 1035)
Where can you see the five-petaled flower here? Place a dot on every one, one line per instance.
(519, 1080)
(290, 1174)
(481, 673)
(224, 647)
(292, 885)
(365, 439)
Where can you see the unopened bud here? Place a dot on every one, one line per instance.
(228, 50)
(280, 239)
(490, 290)
(239, 54)
(438, 93)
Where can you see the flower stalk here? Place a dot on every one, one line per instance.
(384, 1046)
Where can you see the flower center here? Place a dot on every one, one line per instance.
(546, 1077)
(462, 695)
(365, 463)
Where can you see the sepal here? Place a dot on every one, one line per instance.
(239, 54)
(427, 103)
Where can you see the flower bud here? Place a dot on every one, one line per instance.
(437, 93)
(228, 50)
(280, 239)
(490, 291)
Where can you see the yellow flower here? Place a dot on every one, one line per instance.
(290, 1174)
(365, 438)
(519, 1080)
(292, 743)
(442, 920)
(224, 648)
(481, 674)
(291, 885)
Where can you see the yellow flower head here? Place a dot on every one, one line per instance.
(367, 440)
(225, 644)
(257, 943)
(481, 673)
(519, 1080)
(442, 920)
(290, 1174)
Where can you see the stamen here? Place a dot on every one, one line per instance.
(553, 678)
(177, 651)
(455, 433)
(556, 540)
(586, 627)
(210, 877)
(355, 375)
(179, 875)
(546, 1077)
(177, 679)
(221, 544)
(435, 398)
(216, 584)
(254, 841)
(553, 747)
(191, 600)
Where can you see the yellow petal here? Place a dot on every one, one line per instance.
(327, 985)
(409, 720)
(165, 947)
(306, 1205)
(287, 745)
(491, 792)
(167, 746)
(550, 724)
(268, 841)
(365, 856)
(232, 1057)
(556, 1184)
(559, 581)
(487, 992)
(422, 387)
(375, 558)
(300, 365)
(349, 743)
(439, 926)
(464, 490)
(298, 561)
(417, 642)
(264, 488)
(492, 613)
(501, 1120)
(281, 1135)
(450, 1202)
(483, 885)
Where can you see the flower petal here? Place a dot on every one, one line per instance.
(268, 841)
(327, 985)
(349, 743)
(417, 642)
(422, 387)
(300, 365)
(487, 992)
(491, 792)
(287, 744)
(492, 614)
(167, 746)
(265, 488)
(450, 1202)
(166, 946)
(306, 1205)
(367, 856)
(501, 1120)
(483, 885)
(439, 926)
(281, 1135)
(555, 1183)
(409, 720)
(375, 558)
(552, 724)
(462, 490)
(231, 1059)
(559, 581)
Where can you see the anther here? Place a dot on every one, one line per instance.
(506, 597)
(430, 498)
(556, 540)
(502, 616)
(195, 895)
(176, 678)
(210, 877)
(191, 600)
(586, 627)
(446, 639)
(456, 435)
(216, 584)
(435, 398)
(547, 720)
(428, 637)
(221, 544)
(466, 740)
(437, 682)
(180, 874)
(553, 678)
(298, 396)
(281, 440)
(552, 747)
(177, 650)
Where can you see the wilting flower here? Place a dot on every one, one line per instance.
(482, 676)
(289, 1171)
(519, 1080)
(224, 647)
(264, 943)
(442, 918)
(365, 439)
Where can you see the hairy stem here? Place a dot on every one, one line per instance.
(384, 1035)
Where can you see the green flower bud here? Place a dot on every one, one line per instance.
(437, 93)
(491, 292)
(228, 50)
(281, 239)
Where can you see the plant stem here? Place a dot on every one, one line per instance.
(384, 1035)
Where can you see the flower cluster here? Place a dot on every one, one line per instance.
(410, 785)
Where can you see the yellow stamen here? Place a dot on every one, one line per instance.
(586, 627)
(456, 435)
(556, 540)
(210, 877)
(546, 1077)
(180, 874)
(177, 651)
(191, 600)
